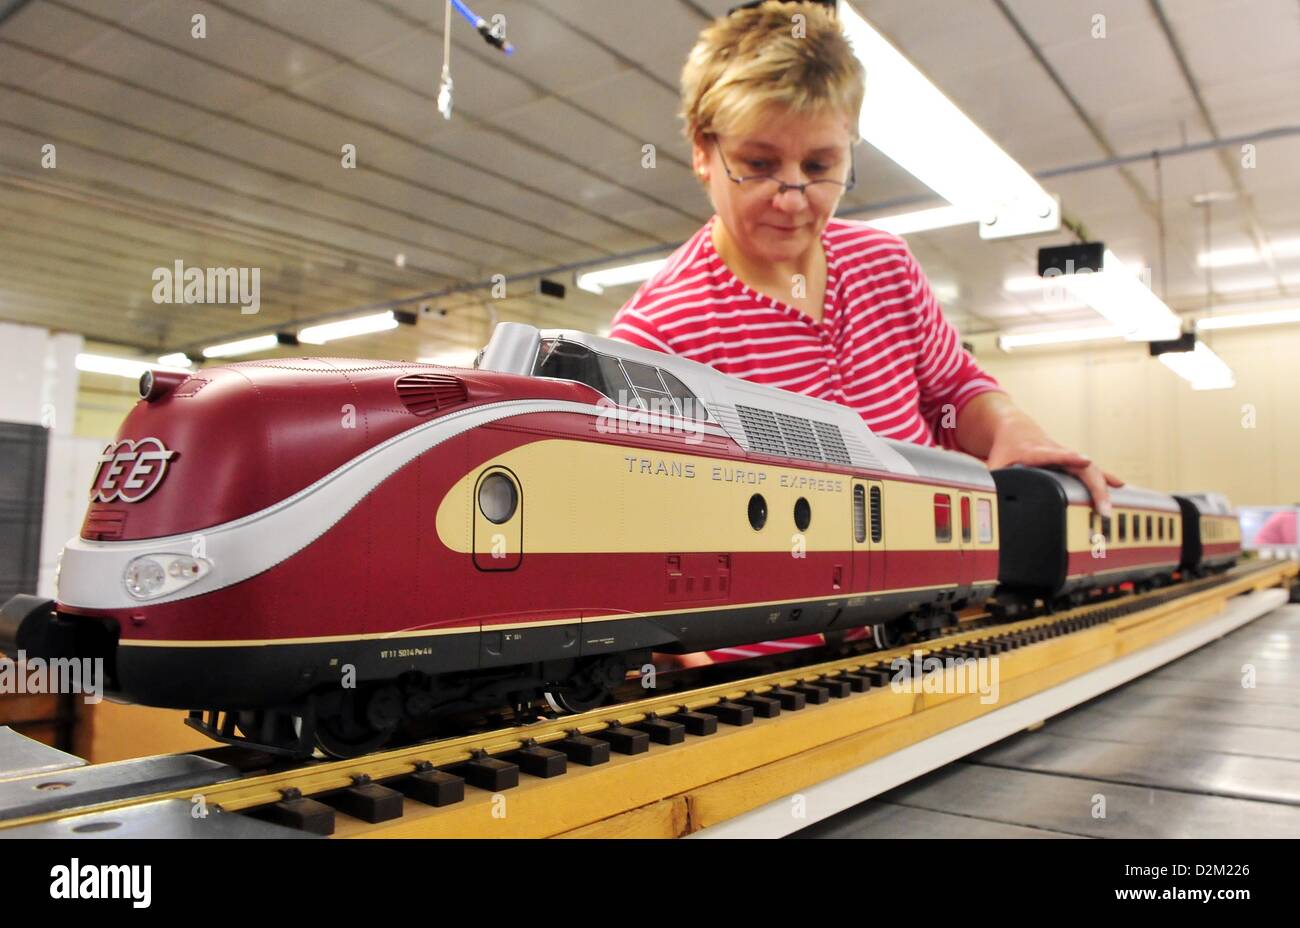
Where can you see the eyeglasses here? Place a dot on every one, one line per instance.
(770, 185)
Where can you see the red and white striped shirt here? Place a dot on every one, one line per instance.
(882, 346)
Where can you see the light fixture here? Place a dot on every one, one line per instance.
(596, 281)
(176, 359)
(1246, 320)
(911, 121)
(1236, 257)
(346, 328)
(1200, 367)
(923, 220)
(119, 367)
(252, 345)
(945, 291)
(1013, 340)
(1120, 295)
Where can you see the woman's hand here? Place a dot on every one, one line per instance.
(993, 427)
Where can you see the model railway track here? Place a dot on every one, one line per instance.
(528, 780)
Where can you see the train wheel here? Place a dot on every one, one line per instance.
(589, 687)
(885, 637)
(364, 723)
(271, 728)
(343, 741)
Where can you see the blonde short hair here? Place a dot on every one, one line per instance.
(762, 58)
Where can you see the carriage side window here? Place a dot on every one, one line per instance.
(877, 520)
(1149, 535)
(859, 514)
(942, 517)
(1123, 526)
(965, 518)
(1108, 528)
(1160, 528)
(1137, 527)
(983, 521)
(689, 404)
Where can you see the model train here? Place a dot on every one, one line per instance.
(311, 551)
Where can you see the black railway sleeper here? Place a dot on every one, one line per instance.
(367, 801)
(623, 739)
(764, 707)
(431, 786)
(583, 749)
(730, 713)
(662, 731)
(697, 723)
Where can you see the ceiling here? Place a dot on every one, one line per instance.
(225, 151)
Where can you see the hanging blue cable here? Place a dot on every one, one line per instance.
(491, 35)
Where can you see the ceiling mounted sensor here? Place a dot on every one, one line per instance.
(551, 288)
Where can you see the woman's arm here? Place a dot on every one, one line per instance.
(991, 426)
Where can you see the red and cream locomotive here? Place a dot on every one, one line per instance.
(311, 551)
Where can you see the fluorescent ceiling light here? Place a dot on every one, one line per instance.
(1235, 257)
(914, 124)
(1246, 320)
(118, 367)
(945, 291)
(177, 359)
(243, 346)
(596, 281)
(1124, 300)
(363, 325)
(1024, 284)
(1013, 340)
(923, 220)
(461, 357)
(1202, 368)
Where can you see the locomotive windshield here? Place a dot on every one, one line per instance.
(628, 383)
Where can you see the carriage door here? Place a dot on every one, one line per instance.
(498, 520)
(965, 545)
(868, 536)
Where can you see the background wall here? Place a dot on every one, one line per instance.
(1148, 426)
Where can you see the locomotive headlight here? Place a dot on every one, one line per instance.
(152, 575)
(497, 498)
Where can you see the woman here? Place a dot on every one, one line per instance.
(774, 290)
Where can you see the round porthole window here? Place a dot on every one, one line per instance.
(802, 514)
(497, 498)
(757, 511)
